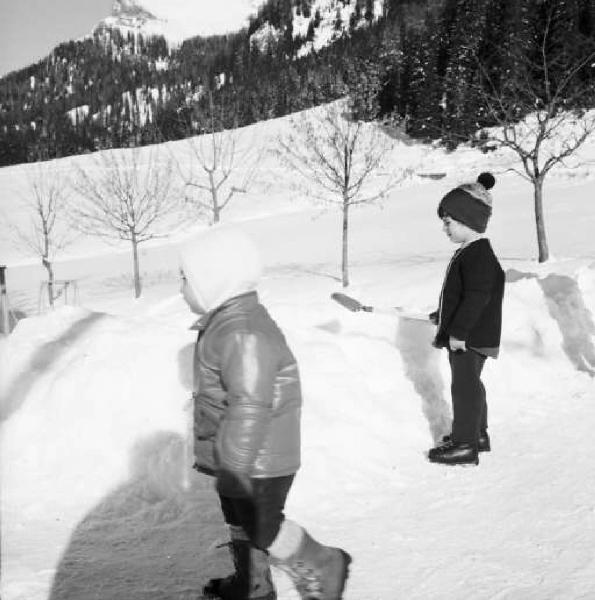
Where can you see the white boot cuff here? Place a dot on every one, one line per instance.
(288, 540)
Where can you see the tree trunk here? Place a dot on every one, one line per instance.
(137, 284)
(48, 266)
(539, 221)
(4, 316)
(214, 200)
(345, 243)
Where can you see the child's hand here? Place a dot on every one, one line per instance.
(457, 345)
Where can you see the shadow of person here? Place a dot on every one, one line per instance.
(567, 306)
(152, 537)
(422, 367)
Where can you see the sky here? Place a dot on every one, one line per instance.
(29, 29)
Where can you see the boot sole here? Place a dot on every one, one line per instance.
(455, 464)
(208, 596)
(216, 594)
(203, 597)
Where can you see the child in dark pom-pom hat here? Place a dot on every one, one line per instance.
(469, 317)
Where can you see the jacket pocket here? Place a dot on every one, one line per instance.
(206, 424)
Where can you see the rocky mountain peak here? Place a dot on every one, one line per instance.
(130, 9)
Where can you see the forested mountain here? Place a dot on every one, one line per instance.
(416, 61)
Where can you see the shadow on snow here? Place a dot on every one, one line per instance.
(152, 537)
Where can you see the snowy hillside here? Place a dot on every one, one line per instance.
(322, 23)
(98, 501)
(181, 19)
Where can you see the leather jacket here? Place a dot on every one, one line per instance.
(247, 399)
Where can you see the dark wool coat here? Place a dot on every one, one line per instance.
(248, 400)
(470, 306)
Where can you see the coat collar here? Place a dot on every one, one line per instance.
(241, 302)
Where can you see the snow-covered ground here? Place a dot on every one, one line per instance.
(98, 499)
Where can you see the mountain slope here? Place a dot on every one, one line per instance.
(97, 92)
(178, 20)
(421, 62)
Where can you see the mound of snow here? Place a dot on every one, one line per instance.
(96, 437)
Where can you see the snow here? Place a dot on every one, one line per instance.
(178, 20)
(98, 498)
(326, 31)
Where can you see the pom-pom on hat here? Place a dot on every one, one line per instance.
(470, 203)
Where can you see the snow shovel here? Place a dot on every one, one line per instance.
(355, 305)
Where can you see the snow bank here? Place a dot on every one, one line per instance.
(98, 500)
(90, 401)
(83, 394)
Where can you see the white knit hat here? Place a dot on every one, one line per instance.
(220, 264)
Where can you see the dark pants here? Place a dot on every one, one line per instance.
(260, 515)
(470, 411)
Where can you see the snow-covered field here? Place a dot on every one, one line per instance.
(98, 499)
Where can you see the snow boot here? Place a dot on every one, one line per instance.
(483, 443)
(453, 453)
(318, 572)
(252, 577)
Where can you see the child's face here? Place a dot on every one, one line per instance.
(456, 231)
(189, 295)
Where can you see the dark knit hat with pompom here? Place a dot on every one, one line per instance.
(470, 203)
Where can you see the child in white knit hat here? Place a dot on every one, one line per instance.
(469, 317)
(247, 404)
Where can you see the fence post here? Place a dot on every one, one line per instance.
(4, 319)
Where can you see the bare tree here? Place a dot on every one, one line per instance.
(340, 156)
(126, 195)
(539, 109)
(46, 231)
(222, 163)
